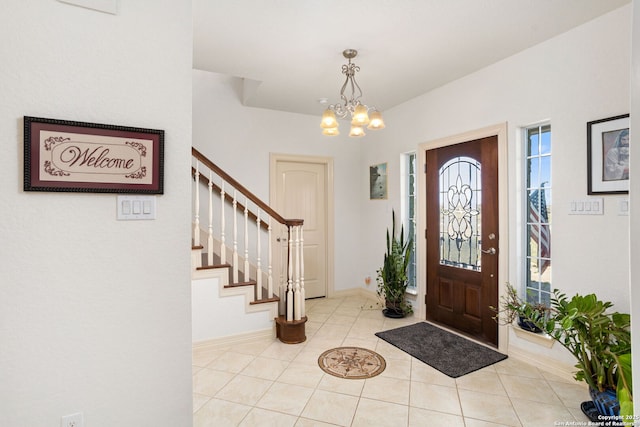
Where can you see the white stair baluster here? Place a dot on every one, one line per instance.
(258, 266)
(303, 311)
(223, 249)
(246, 240)
(235, 237)
(210, 227)
(297, 303)
(196, 207)
(270, 261)
(290, 277)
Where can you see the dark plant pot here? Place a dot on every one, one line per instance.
(606, 402)
(528, 325)
(394, 310)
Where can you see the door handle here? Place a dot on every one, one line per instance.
(490, 251)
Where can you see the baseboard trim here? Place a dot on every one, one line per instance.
(243, 338)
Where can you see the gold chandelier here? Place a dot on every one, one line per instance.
(361, 115)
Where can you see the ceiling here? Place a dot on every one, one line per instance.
(288, 53)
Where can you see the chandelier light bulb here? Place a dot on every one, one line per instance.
(328, 120)
(356, 131)
(360, 116)
(331, 131)
(376, 121)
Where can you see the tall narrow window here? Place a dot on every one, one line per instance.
(409, 213)
(537, 267)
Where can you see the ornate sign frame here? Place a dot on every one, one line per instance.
(70, 156)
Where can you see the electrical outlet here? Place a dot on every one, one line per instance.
(73, 420)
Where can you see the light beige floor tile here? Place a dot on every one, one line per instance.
(352, 387)
(199, 400)
(435, 398)
(486, 381)
(330, 330)
(209, 382)
(389, 351)
(323, 342)
(424, 418)
(399, 369)
(530, 389)
(231, 362)
(333, 408)
(571, 394)
(472, 422)
(387, 389)
(340, 319)
(306, 422)
(511, 366)
(217, 413)
(488, 407)
(310, 353)
(368, 342)
(424, 373)
(245, 390)
(302, 374)
(317, 317)
(540, 414)
(373, 413)
(263, 417)
(265, 368)
(202, 357)
(252, 348)
(287, 398)
(282, 351)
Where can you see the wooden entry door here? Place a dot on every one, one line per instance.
(301, 191)
(462, 237)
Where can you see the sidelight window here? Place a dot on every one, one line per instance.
(537, 268)
(410, 210)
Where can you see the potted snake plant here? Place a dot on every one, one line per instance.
(392, 276)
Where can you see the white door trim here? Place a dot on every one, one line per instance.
(499, 130)
(274, 158)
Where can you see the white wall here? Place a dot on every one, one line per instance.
(95, 313)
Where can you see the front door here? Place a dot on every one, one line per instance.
(462, 237)
(301, 192)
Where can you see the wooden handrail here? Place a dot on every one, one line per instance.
(235, 184)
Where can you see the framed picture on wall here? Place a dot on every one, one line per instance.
(378, 182)
(62, 155)
(608, 155)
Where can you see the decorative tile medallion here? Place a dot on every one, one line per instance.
(351, 362)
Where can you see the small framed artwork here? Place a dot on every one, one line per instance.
(608, 155)
(378, 182)
(62, 155)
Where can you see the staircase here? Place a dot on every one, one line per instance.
(247, 262)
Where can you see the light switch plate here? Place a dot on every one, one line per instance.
(590, 206)
(136, 207)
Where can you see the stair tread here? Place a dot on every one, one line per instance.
(208, 267)
(234, 285)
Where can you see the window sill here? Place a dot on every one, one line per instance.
(413, 292)
(540, 339)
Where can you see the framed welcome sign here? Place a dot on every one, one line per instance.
(63, 155)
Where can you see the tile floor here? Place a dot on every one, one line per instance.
(268, 383)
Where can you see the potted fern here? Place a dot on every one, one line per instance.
(392, 276)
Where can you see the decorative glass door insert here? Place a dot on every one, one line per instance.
(460, 213)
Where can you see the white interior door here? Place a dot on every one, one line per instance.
(301, 192)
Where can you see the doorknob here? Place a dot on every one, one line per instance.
(490, 251)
